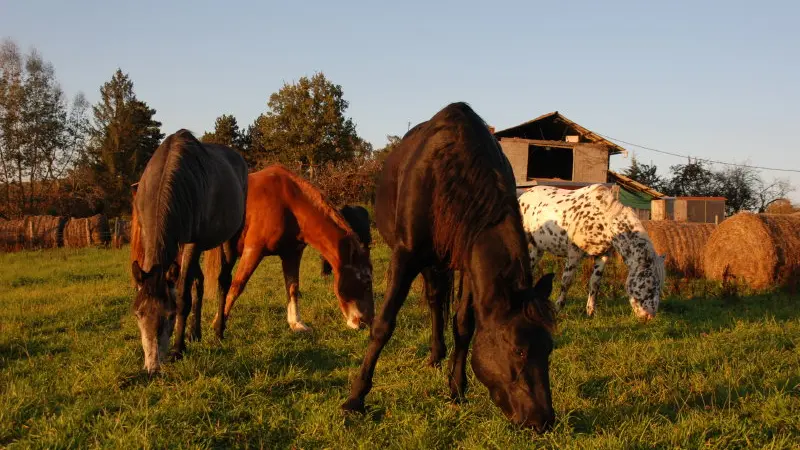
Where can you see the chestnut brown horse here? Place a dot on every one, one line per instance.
(285, 213)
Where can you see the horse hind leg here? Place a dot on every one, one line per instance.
(594, 283)
(195, 326)
(573, 258)
(438, 284)
(463, 329)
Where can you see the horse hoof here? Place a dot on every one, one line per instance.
(194, 337)
(219, 329)
(456, 396)
(175, 355)
(434, 362)
(299, 327)
(354, 405)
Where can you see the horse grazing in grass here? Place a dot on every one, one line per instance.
(284, 214)
(190, 198)
(358, 219)
(590, 221)
(446, 201)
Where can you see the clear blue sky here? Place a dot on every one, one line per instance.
(719, 79)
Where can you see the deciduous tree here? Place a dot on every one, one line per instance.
(306, 125)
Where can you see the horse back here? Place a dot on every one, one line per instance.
(445, 182)
(190, 193)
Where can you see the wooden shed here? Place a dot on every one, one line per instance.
(553, 149)
(689, 209)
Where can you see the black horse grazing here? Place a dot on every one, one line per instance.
(446, 201)
(358, 219)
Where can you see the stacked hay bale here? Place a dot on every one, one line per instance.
(12, 234)
(762, 250)
(44, 231)
(87, 232)
(682, 242)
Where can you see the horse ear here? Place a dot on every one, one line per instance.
(138, 274)
(544, 287)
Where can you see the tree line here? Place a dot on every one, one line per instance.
(63, 156)
(70, 158)
(743, 187)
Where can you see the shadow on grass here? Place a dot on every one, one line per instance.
(686, 317)
(30, 349)
(718, 398)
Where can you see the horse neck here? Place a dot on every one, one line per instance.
(499, 260)
(630, 238)
(323, 233)
(161, 248)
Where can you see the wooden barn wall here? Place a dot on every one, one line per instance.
(658, 209)
(517, 154)
(590, 163)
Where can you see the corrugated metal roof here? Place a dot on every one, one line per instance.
(633, 184)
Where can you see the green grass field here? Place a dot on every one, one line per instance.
(707, 372)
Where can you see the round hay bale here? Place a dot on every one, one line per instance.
(762, 250)
(683, 243)
(99, 230)
(12, 234)
(44, 231)
(87, 232)
(75, 233)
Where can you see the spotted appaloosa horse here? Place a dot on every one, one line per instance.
(590, 221)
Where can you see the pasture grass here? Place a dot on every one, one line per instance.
(713, 372)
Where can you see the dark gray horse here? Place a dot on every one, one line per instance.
(190, 195)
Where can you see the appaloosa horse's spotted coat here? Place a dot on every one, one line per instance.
(590, 221)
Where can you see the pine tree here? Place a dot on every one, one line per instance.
(123, 138)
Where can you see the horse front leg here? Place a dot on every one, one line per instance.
(594, 283)
(573, 258)
(190, 263)
(400, 275)
(251, 257)
(463, 328)
(438, 284)
(291, 277)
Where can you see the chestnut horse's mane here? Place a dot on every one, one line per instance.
(315, 197)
